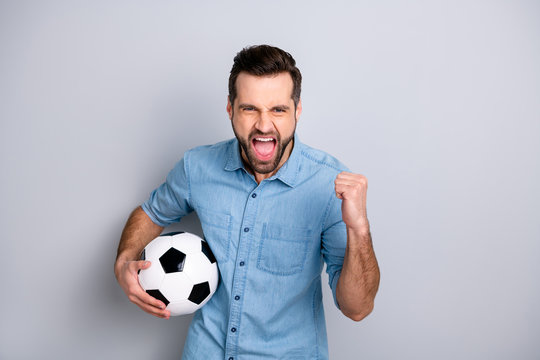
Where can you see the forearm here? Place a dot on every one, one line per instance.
(359, 279)
(137, 233)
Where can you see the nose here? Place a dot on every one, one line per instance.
(264, 123)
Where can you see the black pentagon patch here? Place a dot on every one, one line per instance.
(206, 250)
(158, 295)
(172, 233)
(172, 261)
(199, 293)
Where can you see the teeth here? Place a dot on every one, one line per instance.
(264, 139)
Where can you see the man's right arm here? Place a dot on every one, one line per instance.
(138, 232)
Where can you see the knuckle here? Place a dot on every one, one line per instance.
(157, 311)
(361, 181)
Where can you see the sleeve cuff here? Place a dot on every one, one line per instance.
(152, 216)
(333, 286)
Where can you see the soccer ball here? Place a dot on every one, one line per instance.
(183, 274)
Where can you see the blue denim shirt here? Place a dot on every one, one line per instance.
(270, 240)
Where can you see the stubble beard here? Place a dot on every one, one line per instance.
(256, 165)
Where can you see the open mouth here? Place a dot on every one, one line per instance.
(264, 147)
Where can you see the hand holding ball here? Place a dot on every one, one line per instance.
(183, 274)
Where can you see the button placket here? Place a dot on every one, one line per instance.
(240, 271)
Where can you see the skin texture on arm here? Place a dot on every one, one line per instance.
(359, 279)
(137, 233)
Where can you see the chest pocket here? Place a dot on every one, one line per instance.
(217, 232)
(283, 250)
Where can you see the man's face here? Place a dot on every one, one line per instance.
(264, 119)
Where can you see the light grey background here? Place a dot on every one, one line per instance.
(436, 102)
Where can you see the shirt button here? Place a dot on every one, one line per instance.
(246, 229)
(254, 195)
(241, 263)
(231, 358)
(237, 297)
(233, 330)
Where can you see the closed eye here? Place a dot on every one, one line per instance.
(280, 109)
(247, 107)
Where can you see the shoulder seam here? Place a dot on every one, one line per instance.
(320, 162)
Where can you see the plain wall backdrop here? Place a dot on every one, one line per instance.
(436, 102)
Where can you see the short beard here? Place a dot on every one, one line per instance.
(255, 164)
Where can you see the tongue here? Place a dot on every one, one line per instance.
(264, 148)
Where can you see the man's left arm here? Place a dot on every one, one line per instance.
(359, 279)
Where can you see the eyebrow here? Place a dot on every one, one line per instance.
(243, 106)
(284, 107)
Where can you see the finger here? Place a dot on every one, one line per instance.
(342, 187)
(345, 173)
(150, 300)
(346, 183)
(351, 188)
(358, 179)
(345, 192)
(152, 310)
(351, 180)
(136, 291)
(349, 174)
(351, 177)
(345, 189)
(139, 265)
(143, 297)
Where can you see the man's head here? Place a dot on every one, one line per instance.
(264, 105)
(265, 60)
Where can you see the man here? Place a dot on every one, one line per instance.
(272, 209)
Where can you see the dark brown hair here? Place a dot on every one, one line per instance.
(261, 60)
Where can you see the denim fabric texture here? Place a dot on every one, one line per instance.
(270, 241)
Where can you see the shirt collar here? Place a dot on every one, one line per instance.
(288, 172)
(234, 159)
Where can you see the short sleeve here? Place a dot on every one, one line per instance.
(334, 242)
(171, 200)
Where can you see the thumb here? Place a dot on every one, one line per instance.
(142, 264)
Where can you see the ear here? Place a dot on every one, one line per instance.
(229, 108)
(298, 109)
